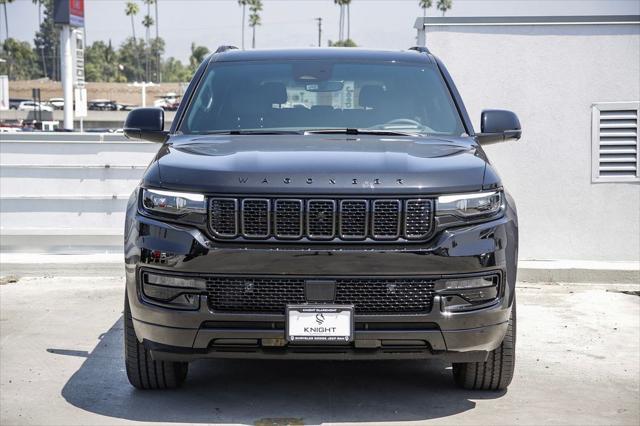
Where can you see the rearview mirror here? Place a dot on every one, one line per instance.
(325, 86)
(498, 126)
(146, 124)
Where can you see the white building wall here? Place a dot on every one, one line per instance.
(550, 75)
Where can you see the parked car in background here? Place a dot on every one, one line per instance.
(321, 204)
(168, 102)
(34, 106)
(14, 103)
(101, 105)
(57, 103)
(104, 105)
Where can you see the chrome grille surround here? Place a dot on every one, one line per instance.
(321, 219)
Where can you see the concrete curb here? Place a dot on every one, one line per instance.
(107, 265)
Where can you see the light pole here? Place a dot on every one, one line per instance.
(319, 31)
(143, 86)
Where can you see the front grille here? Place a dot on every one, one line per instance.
(320, 219)
(368, 295)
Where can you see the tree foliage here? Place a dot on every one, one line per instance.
(21, 60)
(198, 53)
(47, 44)
(101, 63)
(343, 43)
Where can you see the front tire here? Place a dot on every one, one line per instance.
(496, 372)
(142, 371)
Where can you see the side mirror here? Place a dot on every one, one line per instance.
(146, 124)
(498, 125)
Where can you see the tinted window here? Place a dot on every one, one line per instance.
(304, 95)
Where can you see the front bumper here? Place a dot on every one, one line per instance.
(204, 333)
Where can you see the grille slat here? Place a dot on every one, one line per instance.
(353, 219)
(321, 219)
(386, 219)
(418, 218)
(223, 217)
(368, 295)
(255, 218)
(288, 218)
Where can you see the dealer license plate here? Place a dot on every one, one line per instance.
(319, 323)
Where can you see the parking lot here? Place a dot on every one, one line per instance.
(62, 363)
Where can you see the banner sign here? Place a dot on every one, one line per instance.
(69, 12)
(80, 100)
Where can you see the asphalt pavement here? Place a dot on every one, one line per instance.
(61, 362)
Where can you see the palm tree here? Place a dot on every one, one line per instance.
(158, 70)
(341, 20)
(6, 19)
(347, 3)
(424, 5)
(244, 4)
(147, 22)
(255, 6)
(132, 9)
(44, 63)
(444, 5)
(198, 53)
(345, 6)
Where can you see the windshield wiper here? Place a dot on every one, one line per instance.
(252, 132)
(354, 131)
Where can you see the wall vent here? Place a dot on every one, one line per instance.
(615, 142)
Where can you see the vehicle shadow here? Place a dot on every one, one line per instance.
(269, 391)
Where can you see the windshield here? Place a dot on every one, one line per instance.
(313, 95)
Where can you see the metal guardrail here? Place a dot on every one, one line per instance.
(67, 192)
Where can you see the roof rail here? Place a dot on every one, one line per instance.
(224, 49)
(420, 49)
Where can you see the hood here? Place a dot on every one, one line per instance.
(318, 164)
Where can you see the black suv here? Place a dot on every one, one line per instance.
(321, 204)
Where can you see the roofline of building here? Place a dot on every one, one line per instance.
(527, 20)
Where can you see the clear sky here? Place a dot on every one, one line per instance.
(291, 23)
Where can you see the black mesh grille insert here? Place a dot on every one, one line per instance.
(320, 218)
(288, 218)
(418, 218)
(345, 219)
(223, 216)
(255, 218)
(254, 294)
(386, 295)
(368, 295)
(353, 219)
(386, 218)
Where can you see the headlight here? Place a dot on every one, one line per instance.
(469, 206)
(173, 203)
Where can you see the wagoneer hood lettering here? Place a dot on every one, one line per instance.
(320, 163)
